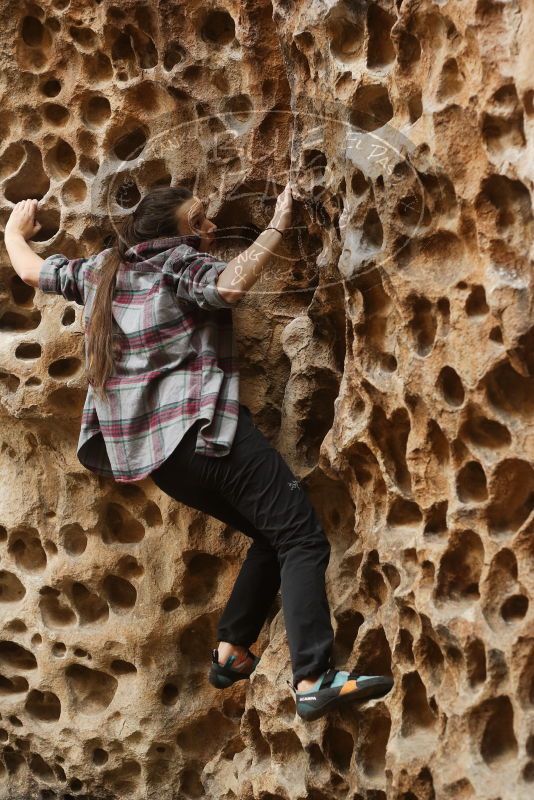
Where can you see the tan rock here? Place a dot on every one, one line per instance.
(387, 353)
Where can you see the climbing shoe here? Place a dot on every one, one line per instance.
(335, 688)
(223, 675)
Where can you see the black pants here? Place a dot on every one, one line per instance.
(253, 490)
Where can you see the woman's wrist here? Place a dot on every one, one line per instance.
(274, 228)
(13, 236)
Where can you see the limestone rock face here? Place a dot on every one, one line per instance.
(387, 352)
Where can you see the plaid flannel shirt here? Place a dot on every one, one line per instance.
(178, 361)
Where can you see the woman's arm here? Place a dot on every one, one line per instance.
(57, 273)
(243, 271)
(25, 261)
(19, 227)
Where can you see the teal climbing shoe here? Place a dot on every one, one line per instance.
(335, 688)
(223, 675)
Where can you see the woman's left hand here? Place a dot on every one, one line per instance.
(22, 220)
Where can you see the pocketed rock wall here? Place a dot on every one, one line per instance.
(387, 352)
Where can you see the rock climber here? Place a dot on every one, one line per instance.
(163, 402)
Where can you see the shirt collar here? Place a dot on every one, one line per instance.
(144, 250)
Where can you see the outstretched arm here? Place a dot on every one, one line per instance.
(211, 284)
(244, 270)
(57, 273)
(20, 226)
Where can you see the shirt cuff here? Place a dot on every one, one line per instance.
(48, 273)
(211, 293)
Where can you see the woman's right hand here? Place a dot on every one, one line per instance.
(283, 210)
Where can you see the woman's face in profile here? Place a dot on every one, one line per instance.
(193, 220)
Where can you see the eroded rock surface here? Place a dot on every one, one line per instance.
(388, 353)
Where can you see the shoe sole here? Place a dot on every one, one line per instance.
(370, 692)
(223, 681)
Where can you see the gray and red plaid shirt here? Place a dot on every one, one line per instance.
(178, 361)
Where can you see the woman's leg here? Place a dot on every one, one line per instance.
(257, 483)
(252, 596)
(258, 581)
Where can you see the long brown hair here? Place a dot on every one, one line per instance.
(154, 217)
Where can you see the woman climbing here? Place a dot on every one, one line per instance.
(163, 402)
